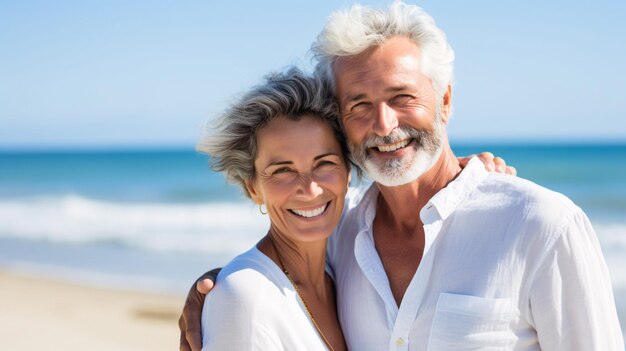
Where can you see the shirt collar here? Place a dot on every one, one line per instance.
(447, 199)
(441, 205)
(368, 207)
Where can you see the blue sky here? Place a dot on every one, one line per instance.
(82, 74)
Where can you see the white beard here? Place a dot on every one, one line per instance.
(402, 171)
(398, 171)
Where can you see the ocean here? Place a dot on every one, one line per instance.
(157, 219)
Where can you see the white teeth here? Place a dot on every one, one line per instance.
(393, 147)
(311, 213)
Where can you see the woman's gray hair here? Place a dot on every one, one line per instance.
(292, 94)
(353, 31)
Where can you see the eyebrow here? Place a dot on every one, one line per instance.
(324, 155)
(279, 163)
(352, 98)
(396, 88)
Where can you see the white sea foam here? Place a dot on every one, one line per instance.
(214, 228)
(210, 227)
(612, 237)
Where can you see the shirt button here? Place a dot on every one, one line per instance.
(400, 342)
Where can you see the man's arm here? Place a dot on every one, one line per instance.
(190, 320)
(571, 298)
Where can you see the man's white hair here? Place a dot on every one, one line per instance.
(353, 31)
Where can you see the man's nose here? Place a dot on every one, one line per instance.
(385, 120)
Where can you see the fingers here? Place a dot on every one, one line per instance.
(192, 314)
(464, 160)
(182, 325)
(491, 162)
(205, 283)
(500, 165)
(486, 155)
(204, 286)
(191, 340)
(190, 323)
(511, 170)
(487, 159)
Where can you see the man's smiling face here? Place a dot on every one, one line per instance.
(392, 115)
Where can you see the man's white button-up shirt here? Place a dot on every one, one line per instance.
(508, 265)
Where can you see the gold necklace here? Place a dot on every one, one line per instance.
(306, 308)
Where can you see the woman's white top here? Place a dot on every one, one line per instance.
(255, 307)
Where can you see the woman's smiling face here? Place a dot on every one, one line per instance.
(301, 176)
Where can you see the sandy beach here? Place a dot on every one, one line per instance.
(39, 314)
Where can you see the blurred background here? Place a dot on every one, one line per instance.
(107, 213)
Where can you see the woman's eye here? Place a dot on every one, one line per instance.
(325, 163)
(281, 170)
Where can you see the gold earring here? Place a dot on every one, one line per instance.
(261, 209)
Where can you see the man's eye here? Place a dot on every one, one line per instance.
(359, 105)
(402, 98)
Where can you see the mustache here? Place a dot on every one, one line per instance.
(396, 135)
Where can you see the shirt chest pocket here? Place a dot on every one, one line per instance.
(463, 322)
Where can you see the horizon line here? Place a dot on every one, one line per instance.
(114, 148)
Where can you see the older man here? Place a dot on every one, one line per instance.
(432, 256)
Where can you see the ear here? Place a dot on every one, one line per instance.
(446, 105)
(254, 194)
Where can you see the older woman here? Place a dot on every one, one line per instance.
(282, 143)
